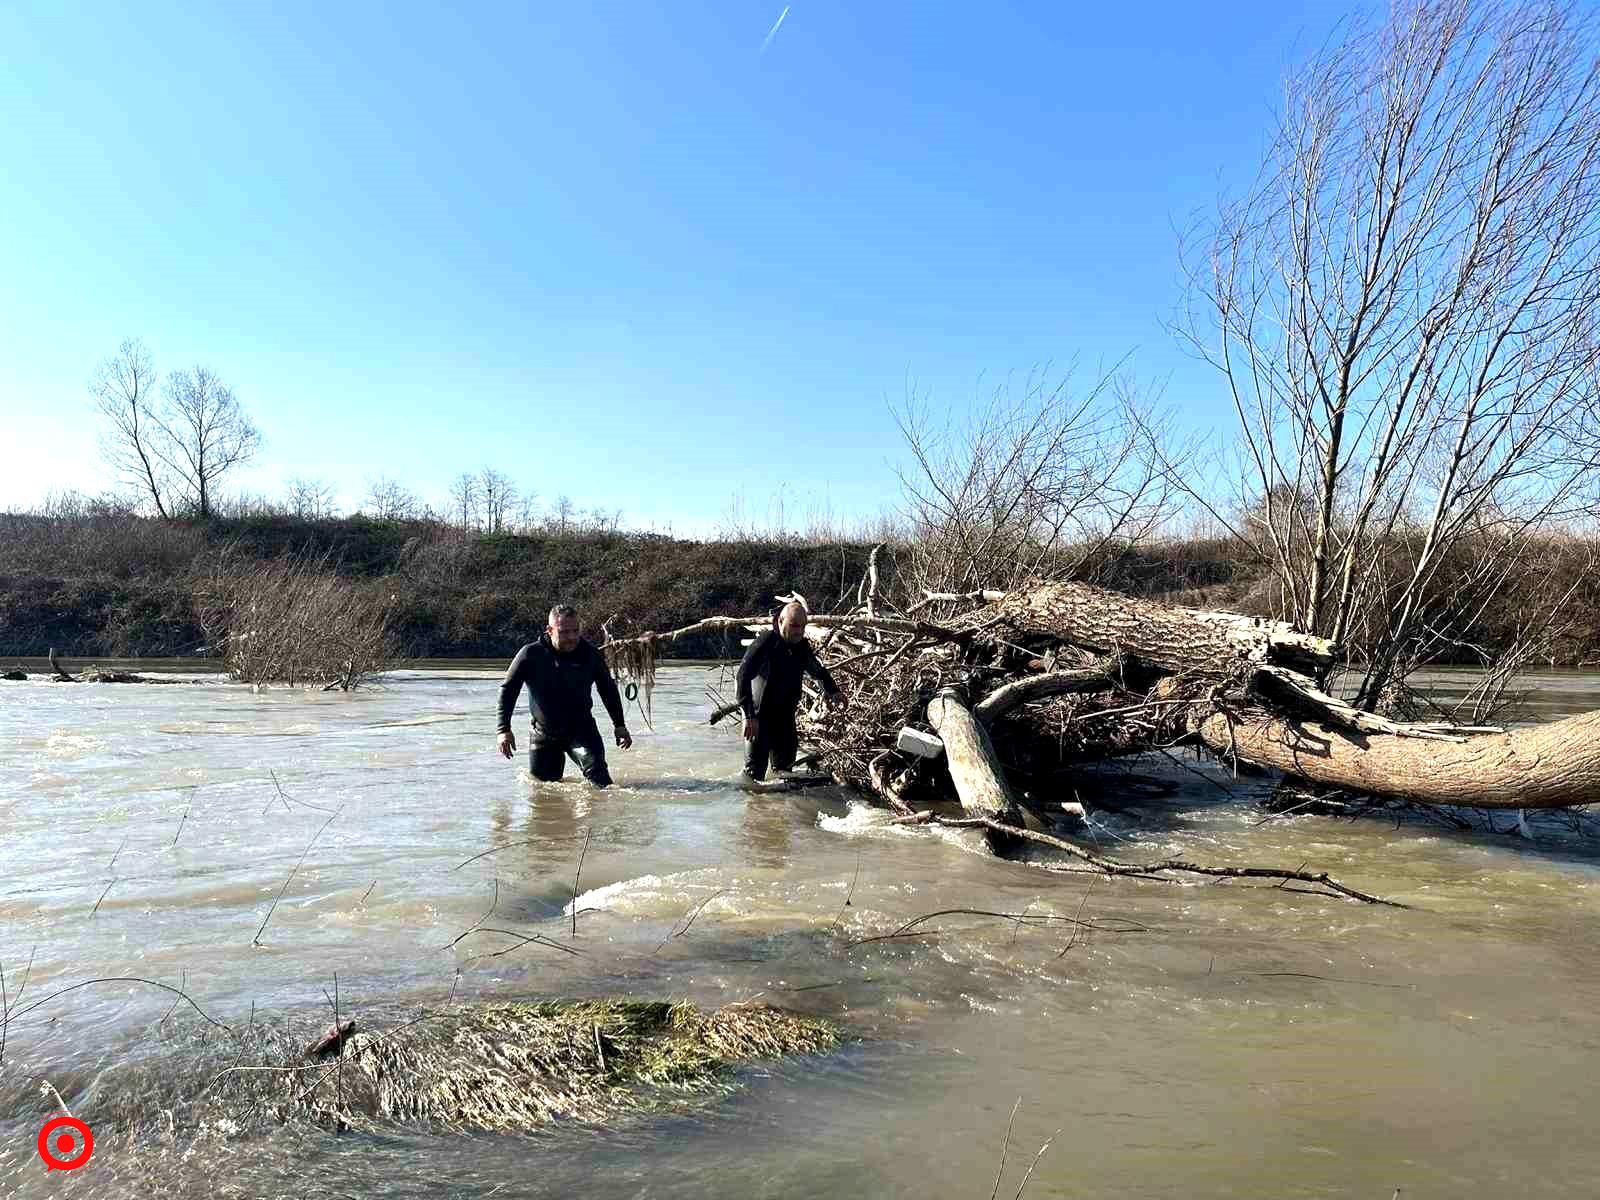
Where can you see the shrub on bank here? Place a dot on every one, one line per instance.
(106, 582)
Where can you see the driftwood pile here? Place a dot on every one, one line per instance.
(995, 699)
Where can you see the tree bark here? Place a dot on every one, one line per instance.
(1162, 635)
(972, 765)
(1314, 735)
(1543, 766)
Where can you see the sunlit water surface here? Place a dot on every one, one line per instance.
(1241, 1040)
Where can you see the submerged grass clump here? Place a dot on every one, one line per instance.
(511, 1066)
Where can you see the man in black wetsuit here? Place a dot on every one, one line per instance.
(769, 691)
(558, 671)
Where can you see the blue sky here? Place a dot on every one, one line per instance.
(617, 251)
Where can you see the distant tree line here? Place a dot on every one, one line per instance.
(172, 445)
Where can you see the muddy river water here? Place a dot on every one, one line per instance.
(1206, 1039)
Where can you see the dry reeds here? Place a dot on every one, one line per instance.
(295, 620)
(518, 1066)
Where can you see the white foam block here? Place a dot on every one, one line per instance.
(914, 741)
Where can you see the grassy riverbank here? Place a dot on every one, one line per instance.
(114, 584)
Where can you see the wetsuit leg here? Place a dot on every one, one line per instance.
(776, 741)
(785, 742)
(589, 752)
(756, 752)
(547, 756)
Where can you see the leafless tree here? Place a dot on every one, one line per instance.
(464, 500)
(1404, 308)
(605, 520)
(204, 434)
(123, 389)
(527, 510)
(310, 499)
(497, 495)
(562, 514)
(1036, 482)
(389, 500)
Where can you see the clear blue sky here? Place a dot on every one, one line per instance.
(617, 251)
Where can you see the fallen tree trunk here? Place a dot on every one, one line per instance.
(1162, 635)
(1543, 766)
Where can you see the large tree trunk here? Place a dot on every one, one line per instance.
(1548, 766)
(1544, 766)
(1162, 635)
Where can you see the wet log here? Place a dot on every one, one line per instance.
(727, 710)
(973, 768)
(1543, 766)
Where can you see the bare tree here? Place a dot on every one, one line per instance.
(1034, 483)
(389, 500)
(527, 509)
(310, 499)
(204, 434)
(497, 494)
(123, 390)
(464, 500)
(1404, 310)
(606, 521)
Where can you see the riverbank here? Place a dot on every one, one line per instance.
(114, 584)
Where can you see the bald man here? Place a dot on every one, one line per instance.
(769, 691)
(558, 671)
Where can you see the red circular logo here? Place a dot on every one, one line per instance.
(53, 1151)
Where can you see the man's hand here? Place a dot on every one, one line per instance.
(507, 742)
(624, 738)
(751, 728)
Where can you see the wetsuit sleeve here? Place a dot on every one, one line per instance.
(511, 687)
(607, 687)
(749, 668)
(817, 671)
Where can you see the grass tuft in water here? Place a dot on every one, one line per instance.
(517, 1066)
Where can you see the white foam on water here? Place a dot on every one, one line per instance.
(642, 893)
(858, 818)
(62, 744)
(864, 821)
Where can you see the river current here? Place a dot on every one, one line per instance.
(1204, 1039)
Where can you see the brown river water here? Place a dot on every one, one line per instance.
(1233, 1039)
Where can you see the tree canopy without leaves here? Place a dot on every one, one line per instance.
(1404, 308)
(207, 434)
(388, 499)
(123, 389)
(177, 450)
(1035, 483)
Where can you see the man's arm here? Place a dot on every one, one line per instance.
(749, 668)
(813, 667)
(511, 687)
(607, 687)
